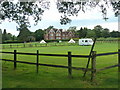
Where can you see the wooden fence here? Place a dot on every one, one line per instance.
(25, 45)
(69, 58)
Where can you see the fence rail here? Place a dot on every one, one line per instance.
(69, 57)
(25, 45)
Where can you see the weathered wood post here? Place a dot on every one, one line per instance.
(69, 65)
(93, 65)
(37, 62)
(15, 57)
(119, 60)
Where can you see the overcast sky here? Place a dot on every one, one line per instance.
(51, 17)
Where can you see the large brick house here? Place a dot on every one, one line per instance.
(58, 34)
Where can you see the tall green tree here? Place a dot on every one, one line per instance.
(90, 34)
(4, 35)
(39, 34)
(24, 33)
(98, 30)
(115, 34)
(82, 32)
(105, 33)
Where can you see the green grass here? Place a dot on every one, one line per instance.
(25, 75)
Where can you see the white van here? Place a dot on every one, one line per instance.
(85, 41)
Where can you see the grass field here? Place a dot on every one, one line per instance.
(25, 75)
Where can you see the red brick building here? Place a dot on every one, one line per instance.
(55, 34)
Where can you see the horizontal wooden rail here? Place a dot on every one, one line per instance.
(60, 55)
(50, 65)
(107, 67)
(104, 54)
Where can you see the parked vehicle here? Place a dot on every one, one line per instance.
(85, 41)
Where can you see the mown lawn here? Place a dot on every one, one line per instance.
(25, 75)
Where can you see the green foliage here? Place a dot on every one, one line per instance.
(20, 12)
(39, 34)
(105, 33)
(24, 33)
(115, 34)
(98, 30)
(6, 36)
(90, 34)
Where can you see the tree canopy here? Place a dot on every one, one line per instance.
(20, 12)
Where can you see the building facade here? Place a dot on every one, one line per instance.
(58, 34)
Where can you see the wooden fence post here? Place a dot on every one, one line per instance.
(15, 57)
(119, 60)
(69, 65)
(93, 65)
(37, 63)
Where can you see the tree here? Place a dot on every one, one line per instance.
(115, 34)
(39, 34)
(71, 7)
(105, 33)
(24, 33)
(21, 11)
(4, 35)
(98, 29)
(82, 32)
(90, 33)
(73, 28)
(30, 38)
(14, 38)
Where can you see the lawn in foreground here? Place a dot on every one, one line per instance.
(25, 76)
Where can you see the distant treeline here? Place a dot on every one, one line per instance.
(25, 35)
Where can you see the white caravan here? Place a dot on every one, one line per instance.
(85, 41)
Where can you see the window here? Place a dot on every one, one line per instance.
(58, 37)
(86, 40)
(58, 34)
(90, 40)
(63, 34)
(82, 40)
(51, 34)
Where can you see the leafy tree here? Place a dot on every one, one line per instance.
(4, 35)
(73, 28)
(90, 33)
(82, 32)
(115, 34)
(21, 11)
(105, 33)
(24, 33)
(39, 34)
(14, 38)
(98, 30)
(30, 38)
(72, 8)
